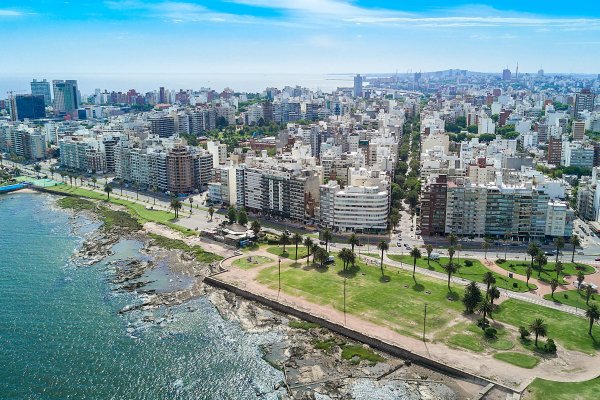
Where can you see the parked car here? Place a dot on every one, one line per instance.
(597, 259)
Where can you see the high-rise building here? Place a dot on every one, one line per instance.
(42, 88)
(578, 130)
(358, 83)
(584, 100)
(554, 150)
(162, 98)
(162, 125)
(29, 106)
(433, 206)
(506, 75)
(180, 170)
(66, 96)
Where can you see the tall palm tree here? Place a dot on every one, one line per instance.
(37, 168)
(532, 250)
(383, 246)
(315, 248)
(539, 328)
(353, 241)
(588, 293)
(211, 211)
(191, 200)
(489, 279)
(255, 227)
(451, 252)
(322, 256)
(528, 273)
(486, 246)
(121, 183)
(576, 242)
(107, 190)
(308, 244)
(450, 269)
(580, 278)
(345, 255)
(486, 308)
(284, 240)
(176, 206)
(493, 294)
(415, 253)
(593, 314)
(559, 269)
(559, 242)
(296, 239)
(94, 180)
(429, 250)
(327, 238)
(452, 239)
(52, 172)
(553, 286)
(541, 260)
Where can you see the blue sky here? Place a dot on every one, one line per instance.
(296, 36)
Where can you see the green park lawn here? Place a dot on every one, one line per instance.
(290, 251)
(541, 389)
(573, 298)
(474, 273)
(548, 272)
(250, 262)
(201, 255)
(472, 338)
(568, 330)
(518, 359)
(139, 211)
(397, 304)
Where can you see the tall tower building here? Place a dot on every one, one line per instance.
(30, 106)
(584, 100)
(66, 96)
(42, 88)
(162, 125)
(358, 83)
(506, 75)
(578, 130)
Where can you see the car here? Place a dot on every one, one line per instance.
(597, 259)
(549, 253)
(399, 244)
(581, 253)
(322, 243)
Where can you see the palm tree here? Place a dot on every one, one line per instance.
(429, 250)
(553, 286)
(37, 168)
(191, 200)
(52, 171)
(489, 279)
(211, 211)
(541, 260)
(576, 242)
(528, 273)
(353, 241)
(254, 226)
(315, 248)
(383, 246)
(121, 183)
(588, 293)
(486, 308)
(94, 180)
(415, 253)
(451, 252)
(308, 244)
(345, 255)
(580, 278)
(452, 239)
(486, 246)
(493, 294)
(1, 158)
(176, 206)
(532, 250)
(593, 314)
(450, 269)
(62, 175)
(322, 256)
(559, 268)
(327, 238)
(296, 239)
(539, 328)
(107, 190)
(284, 240)
(559, 242)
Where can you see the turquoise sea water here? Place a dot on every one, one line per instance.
(62, 338)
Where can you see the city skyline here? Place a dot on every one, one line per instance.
(332, 36)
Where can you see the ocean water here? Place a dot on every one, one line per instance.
(62, 338)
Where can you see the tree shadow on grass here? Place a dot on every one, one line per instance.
(296, 265)
(452, 296)
(384, 279)
(417, 287)
(350, 272)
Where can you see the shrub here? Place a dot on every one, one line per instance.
(500, 261)
(483, 323)
(524, 332)
(566, 296)
(490, 332)
(468, 263)
(515, 285)
(550, 346)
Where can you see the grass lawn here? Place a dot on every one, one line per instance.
(397, 303)
(567, 330)
(548, 273)
(111, 218)
(518, 359)
(137, 210)
(290, 251)
(474, 272)
(541, 389)
(202, 255)
(350, 351)
(573, 298)
(469, 342)
(252, 262)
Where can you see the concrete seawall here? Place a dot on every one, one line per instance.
(358, 336)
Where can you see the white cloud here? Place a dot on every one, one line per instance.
(10, 13)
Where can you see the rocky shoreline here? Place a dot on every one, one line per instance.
(310, 357)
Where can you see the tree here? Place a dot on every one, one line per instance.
(284, 240)
(176, 206)
(315, 247)
(533, 251)
(429, 250)
(62, 175)
(451, 252)
(232, 214)
(415, 253)
(308, 244)
(494, 294)
(485, 308)
(528, 273)
(559, 242)
(211, 211)
(52, 169)
(489, 279)
(576, 242)
(347, 256)
(191, 200)
(94, 180)
(296, 239)
(580, 278)
(383, 246)
(254, 226)
(107, 190)
(121, 183)
(37, 168)
(559, 268)
(322, 256)
(472, 297)
(326, 236)
(450, 269)
(593, 314)
(353, 241)
(242, 218)
(541, 260)
(538, 328)
(553, 286)
(486, 246)
(588, 293)
(452, 239)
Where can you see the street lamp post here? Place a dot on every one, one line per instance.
(279, 273)
(344, 300)
(424, 321)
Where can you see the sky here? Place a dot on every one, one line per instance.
(296, 36)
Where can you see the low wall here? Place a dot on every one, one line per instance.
(357, 336)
